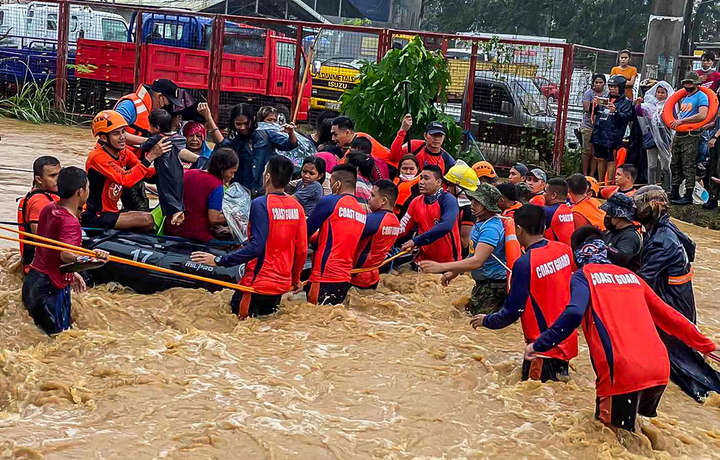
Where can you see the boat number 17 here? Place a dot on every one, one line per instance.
(145, 254)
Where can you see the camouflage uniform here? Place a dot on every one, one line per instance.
(488, 295)
(682, 165)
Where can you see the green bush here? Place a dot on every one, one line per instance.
(33, 103)
(377, 103)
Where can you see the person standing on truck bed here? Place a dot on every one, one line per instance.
(428, 151)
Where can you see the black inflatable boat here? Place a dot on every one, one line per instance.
(168, 252)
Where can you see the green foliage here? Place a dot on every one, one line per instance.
(611, 24)
(81, 69)
(357, 22)
(377, 102)
(571, 161)
(33, 102)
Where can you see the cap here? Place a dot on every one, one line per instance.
(488, 196)
(521, 168)
(435, 127)
(691, 77)
(538, 174)
(619, 205)
(167, 88)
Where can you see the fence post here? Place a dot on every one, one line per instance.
(296, 72)
(381, 45)
(563, 102)
(137, 71)
(216, 55)
(470, 87)
(61, 70)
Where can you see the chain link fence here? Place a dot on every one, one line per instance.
(94, 53)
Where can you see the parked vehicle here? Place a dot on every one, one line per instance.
(510, 110)
(549, 89)
(28, 37)
(257, 64)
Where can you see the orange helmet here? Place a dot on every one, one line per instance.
(107, 121)
(484, 169)
(594, 185)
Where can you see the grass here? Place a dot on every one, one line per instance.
(33, 102)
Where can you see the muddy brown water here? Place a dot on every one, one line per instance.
(396, 373)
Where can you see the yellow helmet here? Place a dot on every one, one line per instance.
(484, 169)
(463, 176)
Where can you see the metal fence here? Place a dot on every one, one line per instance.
(515, 107)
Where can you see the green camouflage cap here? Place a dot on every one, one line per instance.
(487, 195)
(692, 77)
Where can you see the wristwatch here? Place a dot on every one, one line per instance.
(217, 260)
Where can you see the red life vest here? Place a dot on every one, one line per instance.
(550, 272)
(626, 350)
(562, 225)
(28, 253)
(372, 249)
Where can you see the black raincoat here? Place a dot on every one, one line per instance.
(667, 254)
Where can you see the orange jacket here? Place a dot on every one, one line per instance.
(588, 210)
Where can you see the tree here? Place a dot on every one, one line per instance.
(611, 24)
(377, 102)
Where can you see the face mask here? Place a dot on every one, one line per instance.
(609, 223)
(407, 177)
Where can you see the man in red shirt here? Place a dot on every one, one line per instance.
(620, 316)
(539, 292)
(434, 214)
(559, 221)
(276, 249)
(381, 231)
(428, 151)
(339, 220)
(110, 167)
(709, 77)
(46, 288)
(44, 192)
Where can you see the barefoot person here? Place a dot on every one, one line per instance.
(620, 316)
(110, 167)
(46, 288)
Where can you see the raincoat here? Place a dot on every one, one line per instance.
(650, 120)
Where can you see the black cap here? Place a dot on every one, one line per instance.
(435, 127)
(167, 88)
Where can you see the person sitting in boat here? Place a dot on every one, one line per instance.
(339, 221)
(44, 192)
(276, 249)
(381, 231)
(203, 193)
(111, 167)
(46, 288)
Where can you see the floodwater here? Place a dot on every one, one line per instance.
(396, 373)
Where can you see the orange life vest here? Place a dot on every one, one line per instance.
(378, 150)
(509, 212)
(404, 192)
(538, 199)
(142, 99)
(513, 251)
(589, 208)
(27, 253)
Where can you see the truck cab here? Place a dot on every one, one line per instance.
(35, 25)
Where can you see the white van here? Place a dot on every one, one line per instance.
(35, 25)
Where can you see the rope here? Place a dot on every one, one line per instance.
(60, 246)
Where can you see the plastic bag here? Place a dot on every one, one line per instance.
(700, 195)
(236, 207)
(305, 147)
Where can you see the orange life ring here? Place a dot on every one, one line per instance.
(668, 115)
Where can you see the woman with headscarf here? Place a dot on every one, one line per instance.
(196, 135)
(656, 136)
(665, 265)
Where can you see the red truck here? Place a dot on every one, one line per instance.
(257, 64)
